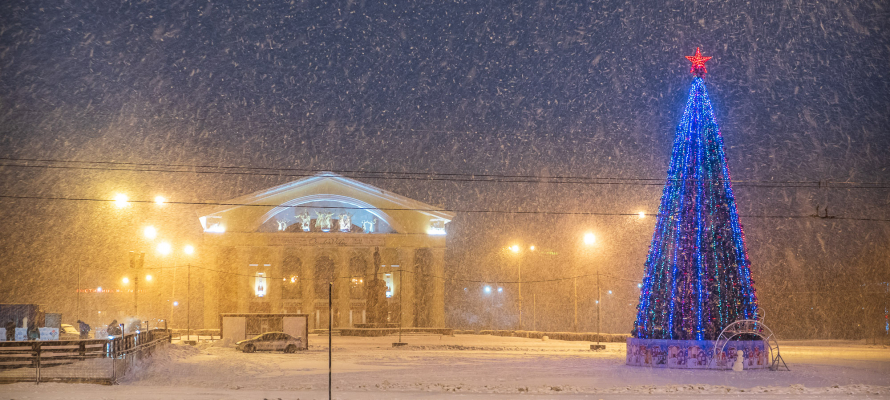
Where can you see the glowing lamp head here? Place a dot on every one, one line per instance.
(160, 200)
(589, 238)
(165, 248)
(500, 290)
(175, 304)
(148, 277)
(99, 289)
(532, 248)
(514, 248)
(126, 280)
(486, 289)
(189, 249)
(642, 214)
(121, 200)
(150, 232)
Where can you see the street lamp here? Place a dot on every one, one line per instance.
(516, 249)
(589, 240)
(167, 249)
(121, 200)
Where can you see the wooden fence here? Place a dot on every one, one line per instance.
(101, 361)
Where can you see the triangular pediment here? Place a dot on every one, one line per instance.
(325, 196)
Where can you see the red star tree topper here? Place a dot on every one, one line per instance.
(698, 63)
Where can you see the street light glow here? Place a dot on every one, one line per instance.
(126, 280)
(515, 248)
(642, 214)
(532, 248)
(120, 200)
(486, 289)
(164, 248)
(160, 200)
(589, 238)
(150, 232)
(189, 249)
(148, 277)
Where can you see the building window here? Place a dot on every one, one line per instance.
(290, 285)
(260, 286)
(387, 278)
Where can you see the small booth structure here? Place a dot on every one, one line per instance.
(236, 327)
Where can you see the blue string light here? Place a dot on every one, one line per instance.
(697, 278)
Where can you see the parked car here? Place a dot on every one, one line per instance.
(68, 332)
(271, 341)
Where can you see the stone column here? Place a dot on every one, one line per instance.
(437, 308)
(406, 284)
(274, 281)
(212, 288)
(341, 281)
(307, 282)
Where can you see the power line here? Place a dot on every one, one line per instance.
(364, 276)
(453, 210)
(391, 175)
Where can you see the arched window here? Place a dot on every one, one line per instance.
(357, 269)
(291, 269)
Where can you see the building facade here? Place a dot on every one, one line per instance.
(283, 249)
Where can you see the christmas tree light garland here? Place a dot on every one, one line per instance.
(697, 277)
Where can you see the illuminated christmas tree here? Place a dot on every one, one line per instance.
(697, 277)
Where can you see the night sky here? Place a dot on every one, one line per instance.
(799, 88)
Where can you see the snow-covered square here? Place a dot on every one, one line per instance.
(476, 367)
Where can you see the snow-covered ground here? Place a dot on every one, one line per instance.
(471, 367)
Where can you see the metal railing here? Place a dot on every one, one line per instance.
(102, 361)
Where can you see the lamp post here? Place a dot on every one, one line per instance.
(166, 249)
(516, 250)
(137, 260)
(589, 240)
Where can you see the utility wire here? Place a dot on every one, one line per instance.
(389, 175)
(453, 210)
(365, 276)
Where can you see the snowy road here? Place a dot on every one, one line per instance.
(470, 367)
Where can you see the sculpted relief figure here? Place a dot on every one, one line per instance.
(282, 225)
(368, 226)
(305, 221)
(323, 220)
(345, 222)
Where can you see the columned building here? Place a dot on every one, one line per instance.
(277, 250)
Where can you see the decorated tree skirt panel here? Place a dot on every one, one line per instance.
(695, 354)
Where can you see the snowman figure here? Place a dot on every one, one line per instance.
(739, 363)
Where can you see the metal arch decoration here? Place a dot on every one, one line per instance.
(753, 327)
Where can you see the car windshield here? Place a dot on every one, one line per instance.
(257, 337)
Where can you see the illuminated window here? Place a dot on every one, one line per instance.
(390, 286)
(260, 286)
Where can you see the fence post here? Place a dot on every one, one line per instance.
(36, 348)
(113, 356)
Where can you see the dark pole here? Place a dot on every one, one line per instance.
(136, 294)
(400, 304)
(330, 338)
(78, 291)
(188, 305)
